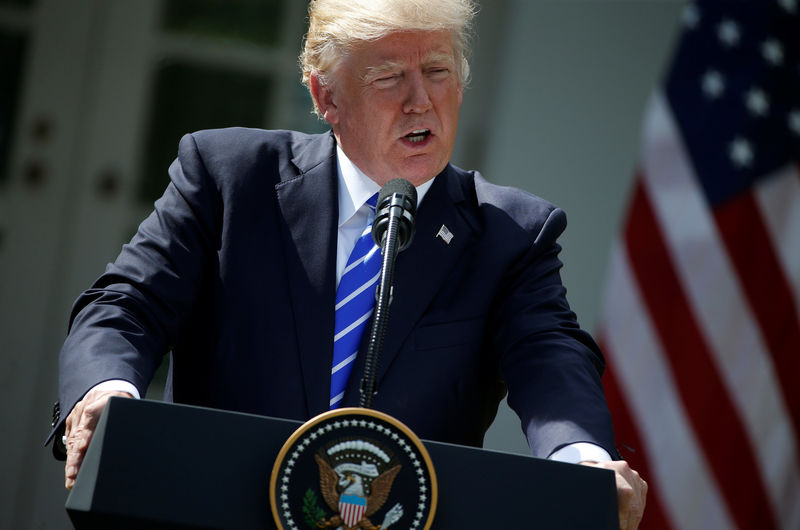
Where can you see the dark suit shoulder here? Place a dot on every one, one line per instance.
(509, 211)
(244, 139)
(241, 150)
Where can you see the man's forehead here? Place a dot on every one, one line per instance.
(402, 48)
(389, 62)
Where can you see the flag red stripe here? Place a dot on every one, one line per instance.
(632, 449)
(709, 408)
(767, 289)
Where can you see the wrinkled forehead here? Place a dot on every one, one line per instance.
(400, 50)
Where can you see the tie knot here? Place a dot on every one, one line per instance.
(372, 202)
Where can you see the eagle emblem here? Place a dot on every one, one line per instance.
(356, 477)
(348, 467)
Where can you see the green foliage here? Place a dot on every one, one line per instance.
(311, 510)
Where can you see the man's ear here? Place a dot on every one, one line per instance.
(323, 97)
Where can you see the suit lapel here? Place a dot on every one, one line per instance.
(309, 207)
(421, 269)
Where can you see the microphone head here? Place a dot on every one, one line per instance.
(398, 197)
(399, 186)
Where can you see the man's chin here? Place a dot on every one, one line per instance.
(417, 169)
(418, 172)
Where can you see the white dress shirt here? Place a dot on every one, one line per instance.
(355, 188)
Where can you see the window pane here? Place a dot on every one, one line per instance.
(12, 55)
(256, 21)
(189, 97)
(19, 3)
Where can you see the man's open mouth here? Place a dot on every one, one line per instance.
(418, 135)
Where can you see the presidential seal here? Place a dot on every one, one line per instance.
(353, 469)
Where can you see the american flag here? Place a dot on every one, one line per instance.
(700, 320)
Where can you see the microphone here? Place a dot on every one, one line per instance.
(392, 230)
(396, 200)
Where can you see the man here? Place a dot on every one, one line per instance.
(236, 271)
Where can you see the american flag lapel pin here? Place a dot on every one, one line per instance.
(445, 234)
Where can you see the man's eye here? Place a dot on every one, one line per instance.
(438, 73)
(386, 80)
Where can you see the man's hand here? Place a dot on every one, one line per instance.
(80, 426)
(631, 492)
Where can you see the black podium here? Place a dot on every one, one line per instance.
(160, 465)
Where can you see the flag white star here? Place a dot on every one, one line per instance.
(690, 16)
(772, 52)
(729, 33)
(713, 84)
(741, 153)
(757, 102)
(789, 5)
(794, 121)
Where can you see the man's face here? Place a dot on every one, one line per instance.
(393, 104)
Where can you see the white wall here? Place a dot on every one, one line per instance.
(564, 125)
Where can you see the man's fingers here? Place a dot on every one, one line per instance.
(637, 512)
(73, 418)
(74, 460)
(74, 456)
(79, 428)
(631, 493)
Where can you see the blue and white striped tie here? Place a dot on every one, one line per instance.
(355, 300)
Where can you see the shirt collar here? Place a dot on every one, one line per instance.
(355, 188)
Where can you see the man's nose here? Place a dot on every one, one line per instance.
(417, 100)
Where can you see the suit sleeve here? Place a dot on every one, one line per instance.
(551, 367)
(122, 326)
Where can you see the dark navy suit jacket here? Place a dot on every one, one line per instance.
(233, 273)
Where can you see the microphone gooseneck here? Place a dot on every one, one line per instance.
(392, 230)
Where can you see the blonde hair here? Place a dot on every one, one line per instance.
(335, 26)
